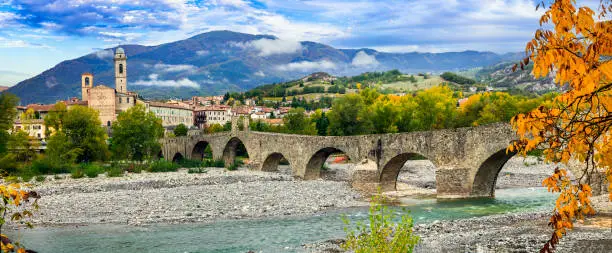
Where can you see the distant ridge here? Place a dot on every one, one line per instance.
(220, 61)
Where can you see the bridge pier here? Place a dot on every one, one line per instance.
(453, 183)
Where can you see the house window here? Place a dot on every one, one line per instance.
(120, 68)
(108, 123)
(119, 100)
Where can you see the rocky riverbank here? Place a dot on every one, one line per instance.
(177, 197)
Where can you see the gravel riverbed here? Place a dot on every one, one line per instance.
(176, 197)
(179, 197)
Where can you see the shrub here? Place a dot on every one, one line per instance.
(213, 163)
(188, 163)
(381, 234)
(237, 163)
(46, 166)
(76, 172)
(162, 166)
(114, 172)
(40, 178)
(197, 170)
(91, 170)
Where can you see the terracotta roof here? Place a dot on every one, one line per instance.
(40, 107)
(87, 74)
(212, 108)
(274, 121)
(166, 105)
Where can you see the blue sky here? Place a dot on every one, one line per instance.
(38, 34)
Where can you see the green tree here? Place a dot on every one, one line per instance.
(321, 122)
(22, 146)
(348, 116)
(181, 130)
(296, 122)
(215, 128)
(8, 102)
(81, 133)
(136, 134)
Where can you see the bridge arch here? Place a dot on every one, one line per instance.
(200, 151)
(272, 161)
(177, 157)
(231, 150)
(316, 161)
(391, 170)
(486, 176)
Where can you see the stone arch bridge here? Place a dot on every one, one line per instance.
(467, 160)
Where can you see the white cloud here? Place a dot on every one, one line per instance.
(154, 81)
(260, 73)
(169, 68)
(305, 66)
(104, 54)
(267, 47)
(6, 43)
(202, 52)
(363, 59)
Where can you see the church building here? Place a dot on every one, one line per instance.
(108, 101)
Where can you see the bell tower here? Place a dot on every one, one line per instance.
(86, 84)
(120, 71)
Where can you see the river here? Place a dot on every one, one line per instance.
(277, 234)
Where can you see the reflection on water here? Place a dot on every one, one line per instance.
(267, 235)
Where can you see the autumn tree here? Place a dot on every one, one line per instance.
(136, 134)
(575, 44)
(18, 203)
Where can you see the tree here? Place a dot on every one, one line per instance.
(8, 102)
(215, 128)
(296, 122)
(321, 122)
(136, 134)
(22, 146)
(81, 135)
(384, 114)
(348, 116)
(53, 120)
(181, 130)
(578, 124)
(436, 109)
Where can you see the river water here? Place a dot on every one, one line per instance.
(285, 234)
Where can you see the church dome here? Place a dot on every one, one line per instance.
(119, 51)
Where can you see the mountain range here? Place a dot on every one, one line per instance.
(219, 61)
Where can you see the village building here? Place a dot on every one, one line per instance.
(209, 115)
(172, 114)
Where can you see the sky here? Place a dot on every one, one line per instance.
(35, 35)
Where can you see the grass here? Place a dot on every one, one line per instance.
(421, 83)
(197, 170)
(162, 166)
(213, 163)
(114, 172)
(234, 166)
(77, 172)
(91, 170)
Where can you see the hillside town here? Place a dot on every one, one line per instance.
(195, 113)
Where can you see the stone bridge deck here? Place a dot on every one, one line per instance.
(468, 160)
